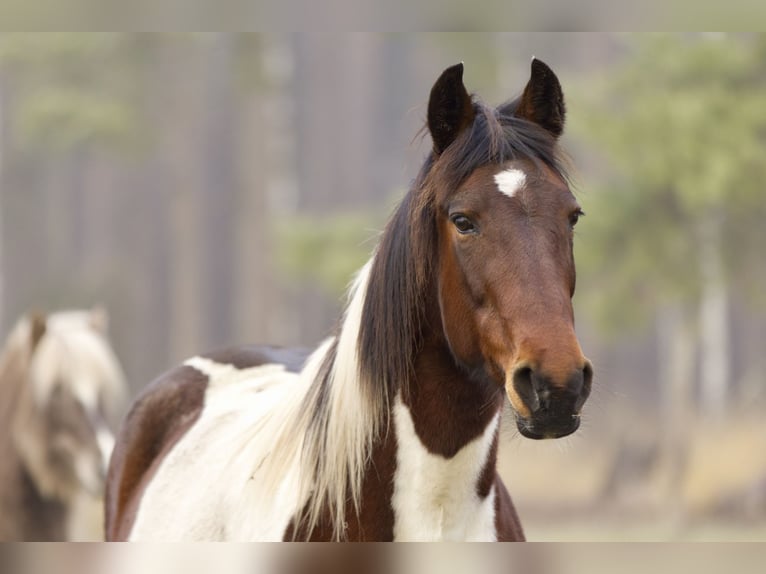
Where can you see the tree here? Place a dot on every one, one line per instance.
(682, 122)
(682, 125)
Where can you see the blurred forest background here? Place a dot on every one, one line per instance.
(209, 189)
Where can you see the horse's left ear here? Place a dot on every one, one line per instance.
(38, 326)
(543, 101)
(450, 109)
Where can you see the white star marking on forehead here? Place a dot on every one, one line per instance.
(510, 181)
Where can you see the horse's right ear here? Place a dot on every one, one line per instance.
(37, 327)
(99, 319)
(542, 102)
(450, 109)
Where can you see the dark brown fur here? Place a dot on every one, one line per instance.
(507, 524)
(249, 356)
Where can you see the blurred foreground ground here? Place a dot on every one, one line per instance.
(619, 530)
(605, 484)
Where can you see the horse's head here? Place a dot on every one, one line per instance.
(73, 386)
(506, 275)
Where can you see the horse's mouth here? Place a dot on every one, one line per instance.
(539, 428)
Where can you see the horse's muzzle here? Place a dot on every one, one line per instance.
(543, 427)
(553, 411)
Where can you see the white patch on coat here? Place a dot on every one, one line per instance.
(510, 181)
(197, 488)
(435, 497)
(218, 481)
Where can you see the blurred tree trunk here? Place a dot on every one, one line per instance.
(78, 159)
(219, 189)
(266, 168)
(676, 352)
(177, 111)
(2, 203)
(200, 141)
(154, 330)
(336, 112)
(715, 371)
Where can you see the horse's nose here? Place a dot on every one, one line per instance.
(579, 385)
(540, 392)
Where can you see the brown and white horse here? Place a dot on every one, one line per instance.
(389, 430)
(60, 383)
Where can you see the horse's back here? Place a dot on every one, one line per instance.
(163, 414)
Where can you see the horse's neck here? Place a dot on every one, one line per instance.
(448, 408)
(446, 435)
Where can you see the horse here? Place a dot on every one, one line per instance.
(61, 391)
(389, 429)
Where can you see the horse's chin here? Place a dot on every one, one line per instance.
(547, 428)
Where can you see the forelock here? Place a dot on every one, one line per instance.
(496, 136)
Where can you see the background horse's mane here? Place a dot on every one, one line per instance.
(40, 353)
(346, 403)
(14, 366)
(74, 351)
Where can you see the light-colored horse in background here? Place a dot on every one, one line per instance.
(61, 393)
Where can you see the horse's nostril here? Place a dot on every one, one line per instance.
(524, 386)
(576, 383)
(583, 390)
(587, 372)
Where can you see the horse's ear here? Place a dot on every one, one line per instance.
(99, 319)
(543, 101)
(37, 328)
(450, 109)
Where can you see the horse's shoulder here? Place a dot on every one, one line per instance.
(158, 418)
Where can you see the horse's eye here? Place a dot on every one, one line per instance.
(463, 224)
(575, 217)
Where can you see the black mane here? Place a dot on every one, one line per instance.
(496, 136)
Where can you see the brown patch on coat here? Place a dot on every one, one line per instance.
(450, 403)
(159, 418)
(488, 473)
(449, 407)
(507, 524)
